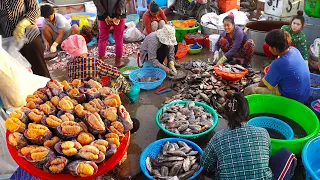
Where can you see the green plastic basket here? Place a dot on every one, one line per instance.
(180, 32)
(122, 70)
(301, 114)
(188, 136)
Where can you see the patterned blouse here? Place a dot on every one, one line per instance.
(242, 153)
(299, 41)
(85, 68)
(13, 11)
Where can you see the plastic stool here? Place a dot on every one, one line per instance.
(141, 6)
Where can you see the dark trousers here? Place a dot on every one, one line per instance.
(33, 52)
(163, 52)
(283, 164)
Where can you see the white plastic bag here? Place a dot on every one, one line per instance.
(16, 81)
(13, 48)
(90, 7)
(133, 34)
(316, 45)
(9, 166)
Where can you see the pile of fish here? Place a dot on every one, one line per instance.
(203, 85)
(176, 161)
(186, 119)
(231, 68)
(147, 79)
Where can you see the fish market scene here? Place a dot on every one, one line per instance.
(160, 89)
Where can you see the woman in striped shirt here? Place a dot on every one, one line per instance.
(18, 19)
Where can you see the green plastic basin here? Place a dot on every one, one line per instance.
(122, 70)
(180, 32)
(188, 136)
(294, 110)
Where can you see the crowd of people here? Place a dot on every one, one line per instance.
(238, 152)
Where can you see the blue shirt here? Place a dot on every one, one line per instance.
(291, 75)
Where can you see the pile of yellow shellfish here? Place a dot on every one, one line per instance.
(69, 127)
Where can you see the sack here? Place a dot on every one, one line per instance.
(13, 48)
(10, 165)
(15, 87)
(312, 58)
(133, 34)
(316, 44)
(90, 7)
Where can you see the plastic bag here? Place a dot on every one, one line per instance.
(15, 87)
(90, 7)
(13, 48)
(316, 44)
(9, 165)
(133, 34)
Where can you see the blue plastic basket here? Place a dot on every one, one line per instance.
(154, 149)
(314, 92)
(148, 72)
(311, 159)
(274, 124)
(133, 17)
(312, 106)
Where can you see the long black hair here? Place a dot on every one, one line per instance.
(237, 110)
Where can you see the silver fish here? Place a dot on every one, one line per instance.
(186, 164)
(177, 153)
(164, 171)
(176, 146)
(195, 167)
(175, 169)
(186, 175)
(192, 153)
(171, 147)
(174, 158)
(148, 164)
(165, 146)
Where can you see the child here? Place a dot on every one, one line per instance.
(85, 67)
(55, 28)
(242, 151)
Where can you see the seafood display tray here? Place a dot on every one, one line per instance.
(104, 167)
(188, 136)
(154, 149)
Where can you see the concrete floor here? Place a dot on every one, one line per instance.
(145, 110)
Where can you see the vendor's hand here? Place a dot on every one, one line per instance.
(172, 67)
(116, 21)
(109, 21)
(54, 47)
(46, 45)
(216, 56)
(222, 60)
(20, 29)
(167, 70)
